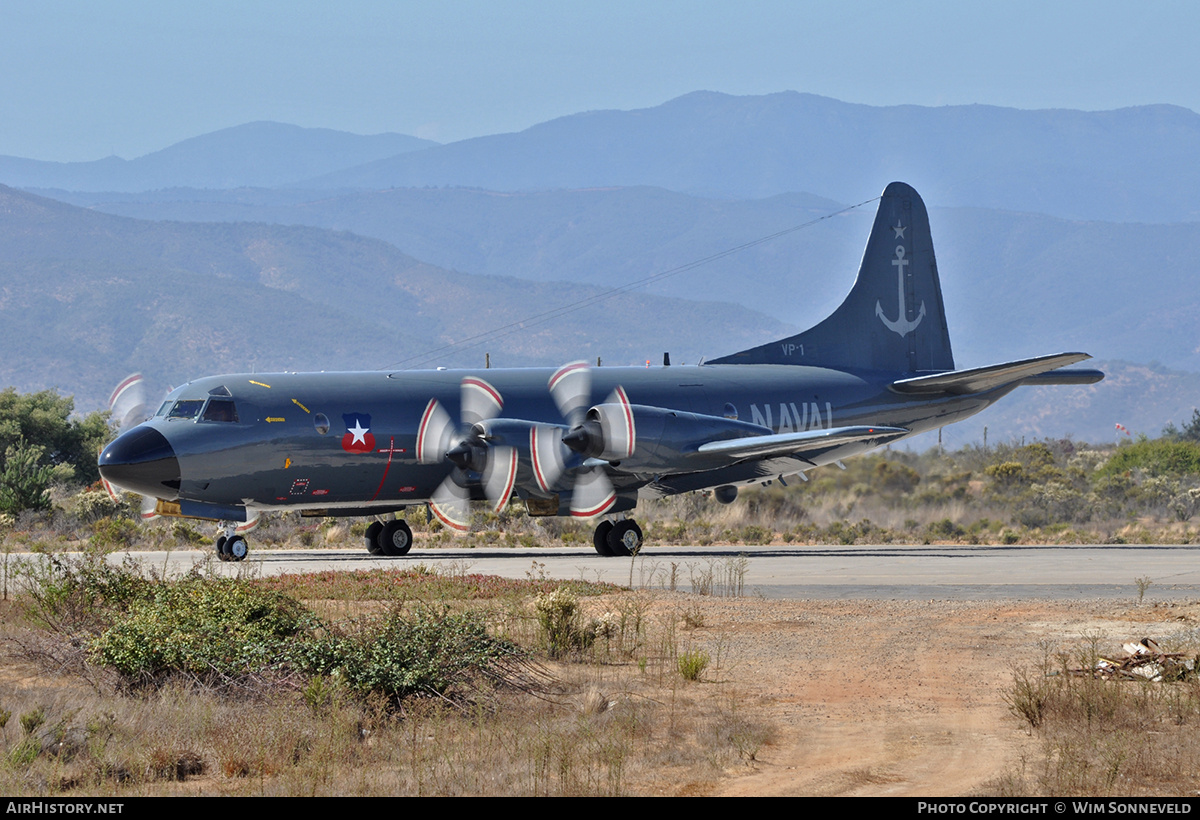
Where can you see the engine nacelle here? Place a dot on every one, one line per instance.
(643, 439)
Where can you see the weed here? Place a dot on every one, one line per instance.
(1143, 584)
(561, 622)
(1029, 696)
(692, 663)
(32, 720)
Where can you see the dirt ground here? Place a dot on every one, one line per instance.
(897, 697)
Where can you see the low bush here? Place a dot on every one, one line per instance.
(424, 653)
(201, 627)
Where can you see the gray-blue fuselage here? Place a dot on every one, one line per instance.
(347, 441)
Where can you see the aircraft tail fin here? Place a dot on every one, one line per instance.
(893, 319)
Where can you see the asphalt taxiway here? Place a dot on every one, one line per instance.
(907, 572)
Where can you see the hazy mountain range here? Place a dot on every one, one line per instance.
(257, 153)
(85, 298)
(1133, 164)
(271, 246)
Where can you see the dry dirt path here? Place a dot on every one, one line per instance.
(895, 697)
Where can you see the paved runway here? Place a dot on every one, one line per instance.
(824, 572)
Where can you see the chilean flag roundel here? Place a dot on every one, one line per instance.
(358, 438)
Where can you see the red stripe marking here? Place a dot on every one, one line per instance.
(512, 479)
(445, 519)
(537, 464)
(564, 370)
(492, 392)
(624, 400)
(608, 502)
(421, 430)
(391, 448)
(123, 386)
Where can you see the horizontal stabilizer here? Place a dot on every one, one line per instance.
(982, 379)
(783, 444)
(1079, 376)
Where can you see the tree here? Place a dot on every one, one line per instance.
(24, 484)
(68, 446)
(1190, 431)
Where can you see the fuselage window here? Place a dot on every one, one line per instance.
(220, 410)
(321, 422)
(186, 409)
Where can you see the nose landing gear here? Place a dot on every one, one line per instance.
(231, 546)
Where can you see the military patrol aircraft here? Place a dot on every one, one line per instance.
(577, 441)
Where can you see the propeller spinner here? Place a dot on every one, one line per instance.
(470, 448)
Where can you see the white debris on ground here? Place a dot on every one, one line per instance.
(1143, 660)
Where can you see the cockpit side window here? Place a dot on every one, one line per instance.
(220, 410)
(186, 409)
(166, 405)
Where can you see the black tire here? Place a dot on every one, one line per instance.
(625, 538)
(395, 539)
(600, 538)
(372, 536)
(222, 555)
(237, 548)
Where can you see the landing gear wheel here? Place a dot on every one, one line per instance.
(625, 538)
(237, 548)
(395, 539)
(222, 555)
(600, 538)
(372, 536)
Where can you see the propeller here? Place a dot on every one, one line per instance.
(493, 448)
(472, 447)
(597, 435)
(127, 407)
(127, 404)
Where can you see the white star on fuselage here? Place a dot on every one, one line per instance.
(358, 431)
(899, 229)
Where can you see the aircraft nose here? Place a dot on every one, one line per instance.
(142, 460)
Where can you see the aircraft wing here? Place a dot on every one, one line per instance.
(982, 379)
(796, 444)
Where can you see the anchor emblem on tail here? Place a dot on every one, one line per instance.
(901, 325)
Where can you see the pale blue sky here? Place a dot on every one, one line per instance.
(83, 80)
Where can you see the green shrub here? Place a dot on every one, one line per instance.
(1158, 457)
(114, 533)
(425, 652)
(202, 627)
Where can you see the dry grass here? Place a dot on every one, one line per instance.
(1104, 738)
(612, 717)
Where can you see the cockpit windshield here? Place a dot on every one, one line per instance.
(220, 410)
(186, 409)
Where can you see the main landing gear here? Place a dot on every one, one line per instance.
(231, 546)
(612, 538)
(393, 538)
(618, 539)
